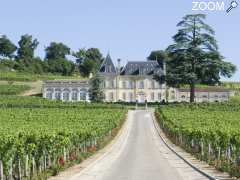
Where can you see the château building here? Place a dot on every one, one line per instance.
(131, 83)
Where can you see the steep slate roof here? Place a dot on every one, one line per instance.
(142, 68)
(132, 68)
(107, 67)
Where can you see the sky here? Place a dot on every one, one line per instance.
(127, 29)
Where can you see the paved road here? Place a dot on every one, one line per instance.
(137, 154)
(141, 158)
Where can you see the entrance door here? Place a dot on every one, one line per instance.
(141, 98)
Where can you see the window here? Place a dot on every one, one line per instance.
(111, 85)
(131, 85)
(111, 96)
(141, 85)
(124, 96)
(49, 94)
(152, 85)
(183, 97)
(131, 97)
(108, 69)
(124, 84)
(152, 96)
(159, 96)
(83, 94)
(75, 95)
(57, 94)
(66, 96)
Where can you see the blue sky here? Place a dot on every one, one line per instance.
(128, 29)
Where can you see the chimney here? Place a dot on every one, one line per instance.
(119, 66)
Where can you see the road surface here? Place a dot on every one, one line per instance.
(137, 154)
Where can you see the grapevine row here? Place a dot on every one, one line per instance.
(209, 131)
(35, 139)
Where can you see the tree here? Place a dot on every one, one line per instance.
(88, 60)
(7, 48)
(194, 57)
(56, 57)
(56, 51)
(95, 90)
(61, 66)
(27, 46)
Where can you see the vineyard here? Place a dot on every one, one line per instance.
(6, 89)
(209, 131)
(42, 135)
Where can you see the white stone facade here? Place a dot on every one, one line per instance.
(66, 90)
(132, 89)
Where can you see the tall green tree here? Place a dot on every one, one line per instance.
(57, 61)
(194, 57)
(96, 90)
(56, 51)
(27, 46)
(7, 48)
(88, 60)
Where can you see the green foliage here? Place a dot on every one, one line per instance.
(95, 91)
(7, 48)
(56, 59)
(57, 51)
(88, 60)
(61, 66)
(41, 132)
(12, 89)
(27, 45)
(197, 127)
(20, 76)
(194, 58)
(38, 102)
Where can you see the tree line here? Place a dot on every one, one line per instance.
(21, 57)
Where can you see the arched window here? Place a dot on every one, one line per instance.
(49, 94)
(66, 95)
(83, 94)
(74, 94)
(183, 97)
(57, 94)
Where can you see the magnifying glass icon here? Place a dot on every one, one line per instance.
(233, 5)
